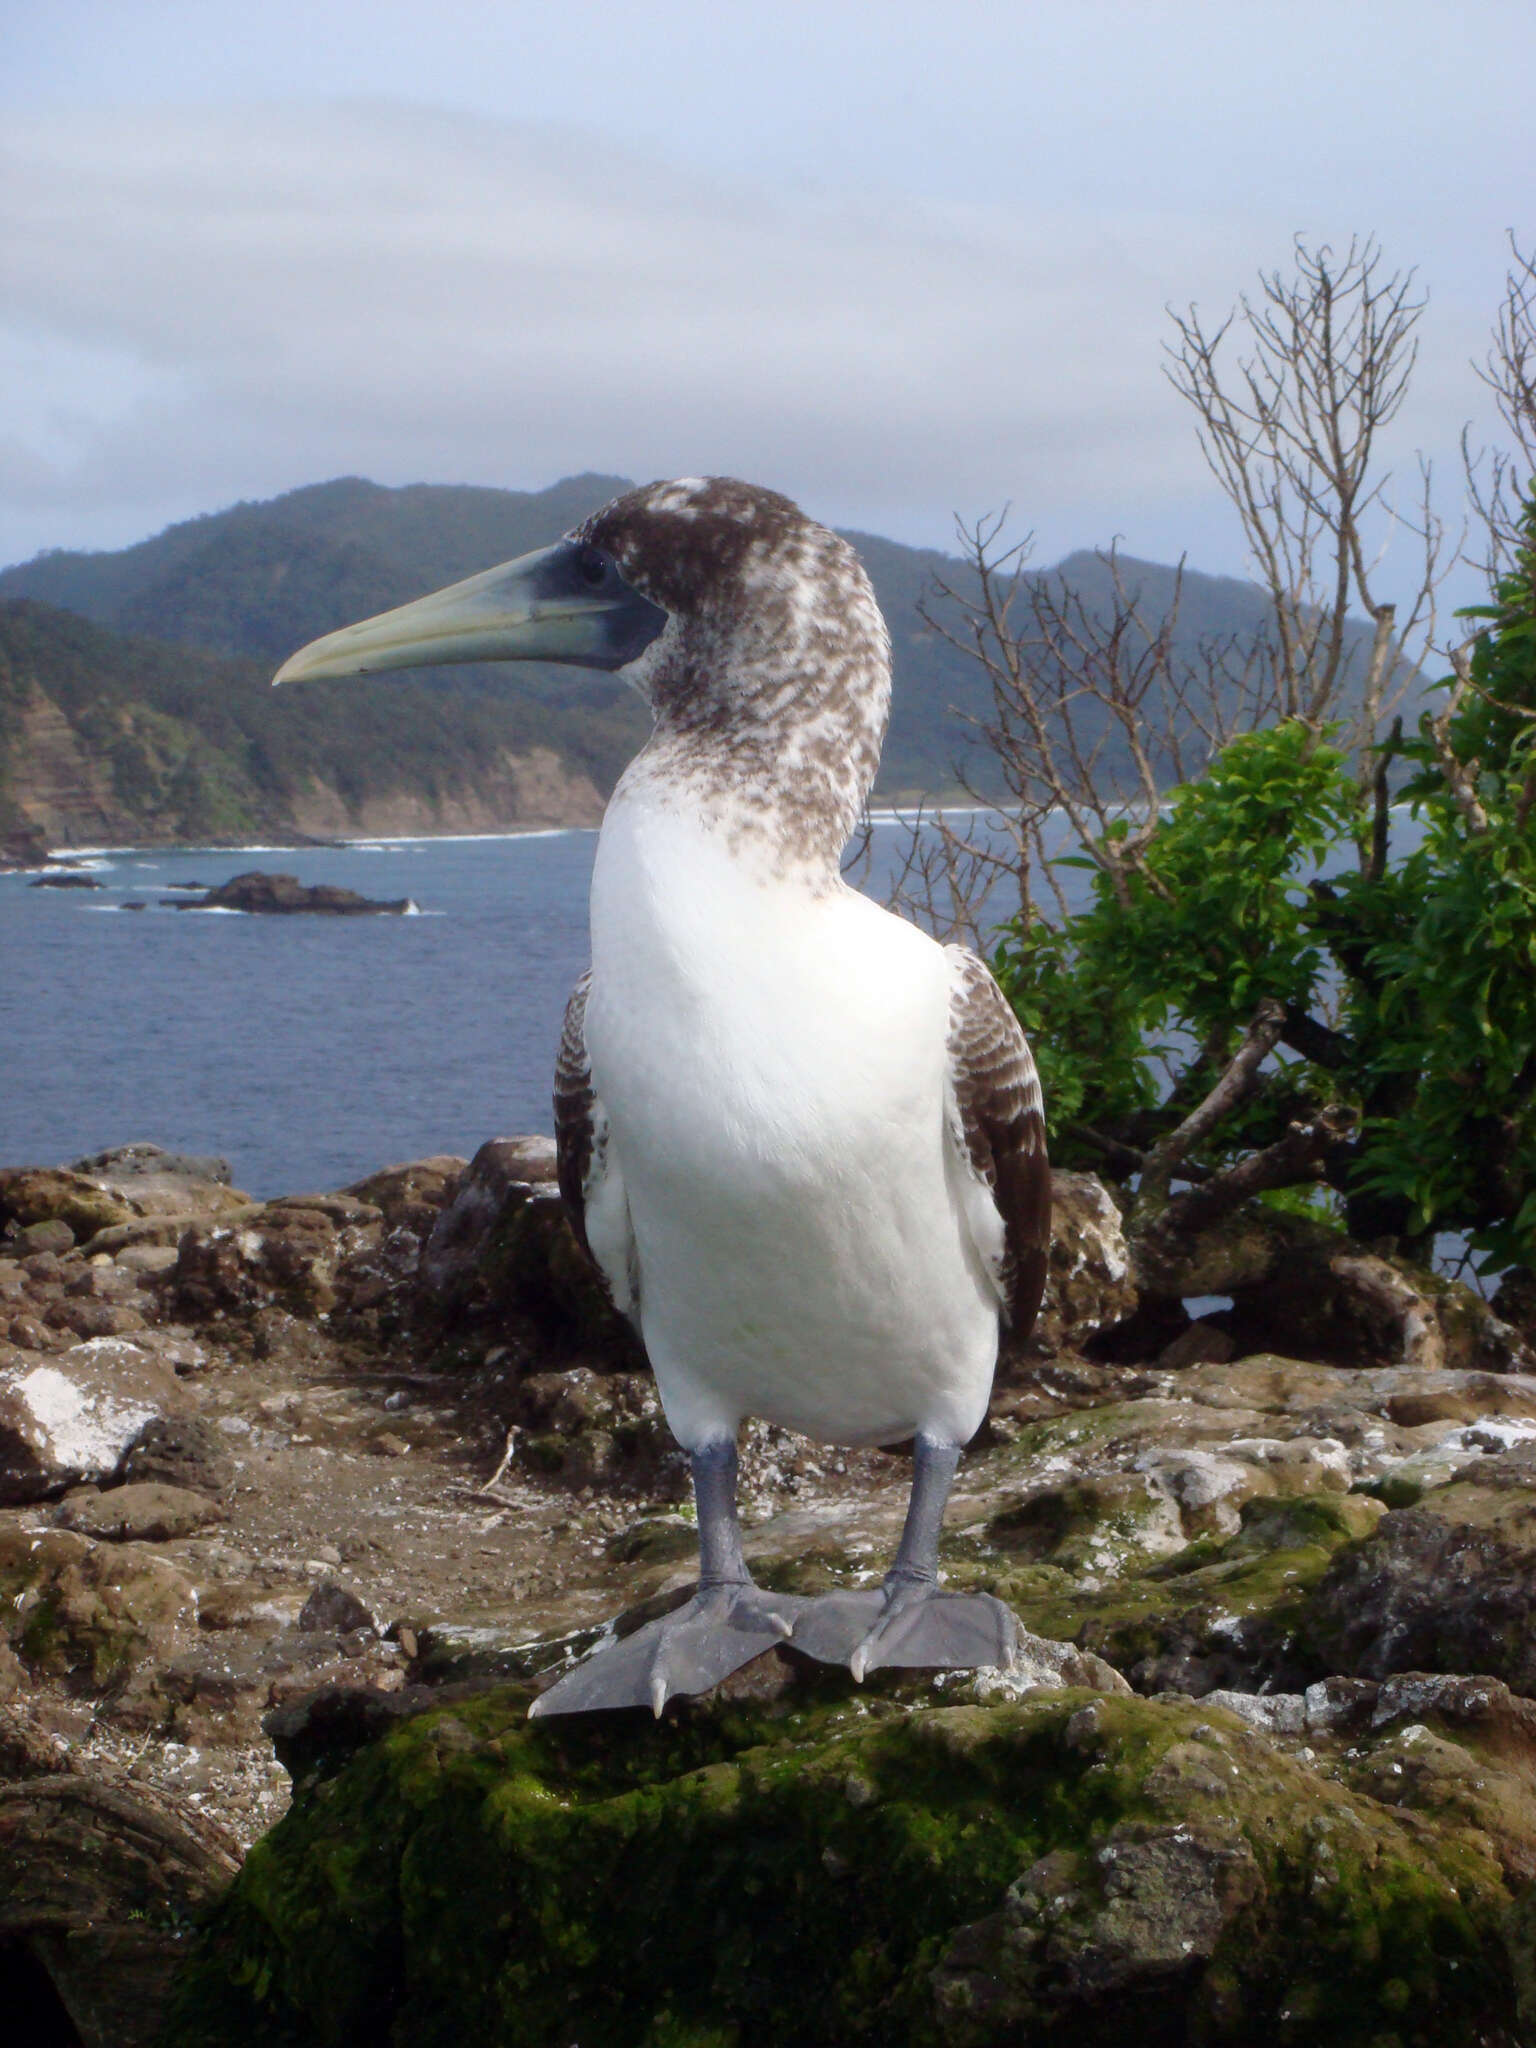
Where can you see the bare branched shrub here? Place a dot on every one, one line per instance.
(1096, 711)
(1499, 478)
(1292, 392)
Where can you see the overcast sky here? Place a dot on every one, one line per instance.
(899, 260)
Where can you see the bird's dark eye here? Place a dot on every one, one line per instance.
(592, 567)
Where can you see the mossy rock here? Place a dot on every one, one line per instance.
(1219, 1612)
(843, 1868)
(527, 1264)
(1104, 1524)
(84, 1612)
(1446, 1585)
(43, 1194)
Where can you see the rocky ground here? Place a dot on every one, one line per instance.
(325, 1485)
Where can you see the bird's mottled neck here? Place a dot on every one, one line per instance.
(770, 684)
(779, 764)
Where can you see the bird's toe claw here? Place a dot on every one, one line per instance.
(689, 1652)
(910, 1625)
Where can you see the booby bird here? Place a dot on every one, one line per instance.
(802, 1141)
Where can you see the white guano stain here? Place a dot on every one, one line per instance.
(87, 1431)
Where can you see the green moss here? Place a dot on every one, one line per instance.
(42, 1637)
(1095, 1524)
(88, 1641)
(1396, 1489)
(741, 1876)
(1298, 1521)
(1258, 1578)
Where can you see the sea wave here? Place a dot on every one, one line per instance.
(416, 841)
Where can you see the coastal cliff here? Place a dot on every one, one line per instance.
(106, 740)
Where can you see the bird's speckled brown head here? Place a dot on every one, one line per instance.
(771, 681)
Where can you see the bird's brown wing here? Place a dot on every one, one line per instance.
(590, 1182)
(575, 1111)
(1002, 1121)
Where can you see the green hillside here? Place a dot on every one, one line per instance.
(105, 735)
(179, 739)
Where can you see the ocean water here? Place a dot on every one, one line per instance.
(307, 1050)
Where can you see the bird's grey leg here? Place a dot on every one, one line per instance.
(910, 1622)
(721, 1562)
(729, 1621)
(917, 1557)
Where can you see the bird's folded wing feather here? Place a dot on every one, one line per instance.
(575, 1108)
(590, 1184)
(1001, 1118)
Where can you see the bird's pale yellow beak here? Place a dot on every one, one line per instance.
(566, 603)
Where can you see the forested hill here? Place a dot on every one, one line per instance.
(104, 734)
(110, 738)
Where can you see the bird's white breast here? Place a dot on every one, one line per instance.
(772, 1062)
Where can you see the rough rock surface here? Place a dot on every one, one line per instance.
(72, 1415)
(1448, 1585)
(1298, 1286)
(831, 1869)
(379, 1461)
(98, 1889)
(1089, 1286)
(131, 1194)
(260, 891)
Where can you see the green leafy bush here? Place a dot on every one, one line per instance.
(1408, 988)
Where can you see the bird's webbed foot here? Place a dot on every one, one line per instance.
(909, 1624)
(689, 1651)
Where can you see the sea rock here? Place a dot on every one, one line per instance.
(167, 1192)
(1070, 1866)
(1448, 1585)
(143, 1161)
(1089, 1283)
(1103, 1565)
(178, 1451)
(502, 1262)
(132, 1194)
(594, 1429)
(96, 1888)
(145, 1259)
(38, 1194)
(1144, 1911)
(503, 1174)
(412, 1195)
(270, 894)
(1303, 1289)
(53, 1234)
(285, 1254)
(1169, 1520)
(71, 1416)
(98, 1616)
(335, 1608)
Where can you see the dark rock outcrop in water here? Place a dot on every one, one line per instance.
(284, 895)
(349, 1475)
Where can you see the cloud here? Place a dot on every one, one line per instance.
(209, 305)
(233, 302)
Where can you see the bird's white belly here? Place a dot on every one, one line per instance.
(772, 1064)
